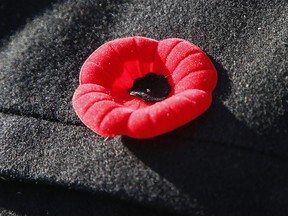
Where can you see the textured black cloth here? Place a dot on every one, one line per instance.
(232, 160)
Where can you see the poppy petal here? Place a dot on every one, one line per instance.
(98, 111)
(146, 51)
(181, 51)
(108, 62)
(127, 52)
(92, 72)
(201, 79)
(164, 49)
(135, 61)
(165, 116)
(193, 64)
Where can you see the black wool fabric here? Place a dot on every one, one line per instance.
(232, 160)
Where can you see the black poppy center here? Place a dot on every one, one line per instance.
(151, 87)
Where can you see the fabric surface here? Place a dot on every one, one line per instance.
(232, 160)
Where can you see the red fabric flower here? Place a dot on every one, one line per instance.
(116, 81)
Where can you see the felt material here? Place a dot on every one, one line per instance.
(104, 104)
(83, 163)
(30, 199)
(15, 13)
(232, 160)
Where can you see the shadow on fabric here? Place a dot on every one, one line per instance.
(211, 158)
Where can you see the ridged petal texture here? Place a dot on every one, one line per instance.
(102, 100)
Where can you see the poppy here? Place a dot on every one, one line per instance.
(142, 88)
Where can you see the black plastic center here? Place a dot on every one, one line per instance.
(151, 87)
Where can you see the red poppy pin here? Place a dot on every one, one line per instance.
(142, 88)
